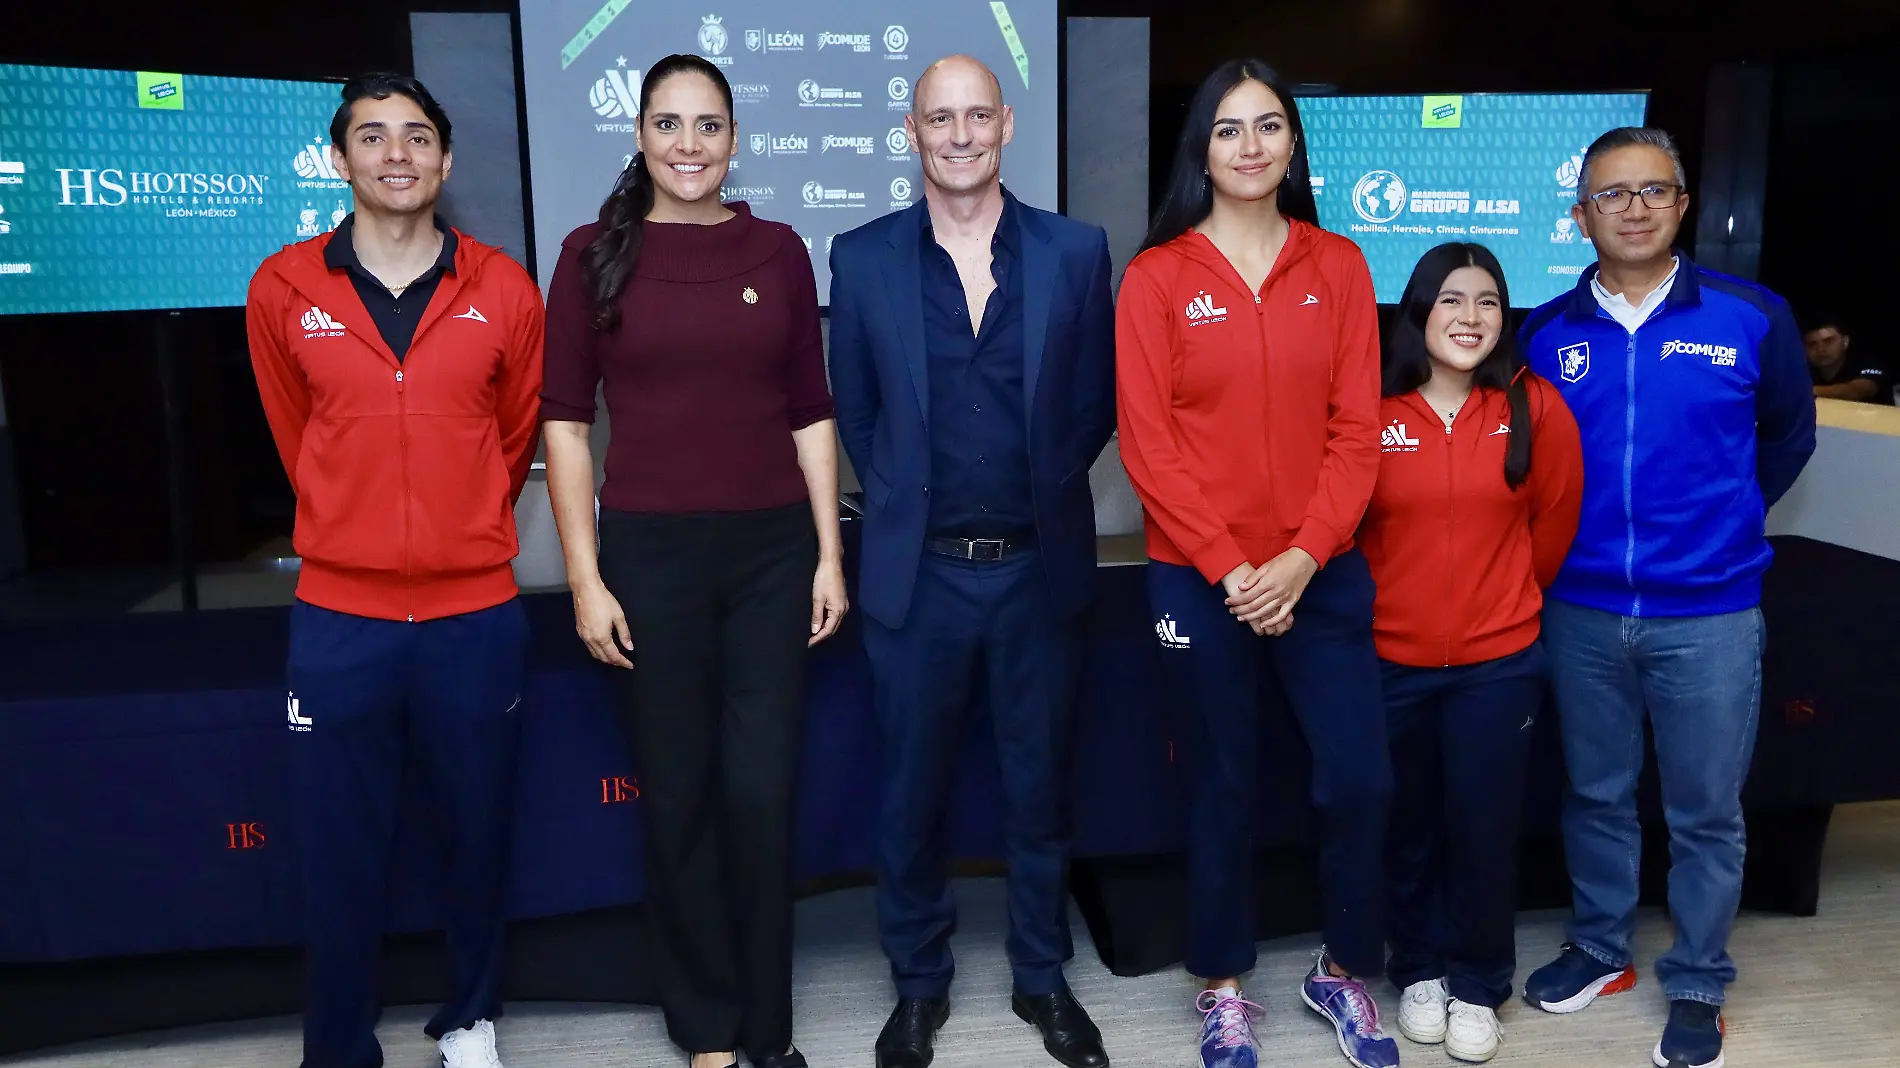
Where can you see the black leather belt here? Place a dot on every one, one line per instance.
(984, 550)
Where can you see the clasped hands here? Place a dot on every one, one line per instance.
(1263, 597)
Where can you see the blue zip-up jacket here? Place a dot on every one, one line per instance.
(1692, 428)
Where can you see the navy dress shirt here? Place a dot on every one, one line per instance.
(979, 422)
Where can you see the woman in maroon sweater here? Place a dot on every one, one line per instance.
(718, 558)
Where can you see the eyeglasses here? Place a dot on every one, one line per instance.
(1617, 201)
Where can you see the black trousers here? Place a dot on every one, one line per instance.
(1460, 741)
(719, 607)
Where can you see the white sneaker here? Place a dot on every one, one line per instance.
(1474, 1034)
(471, 1047)
(1422, 1012)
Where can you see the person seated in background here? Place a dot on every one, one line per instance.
(1839, 372)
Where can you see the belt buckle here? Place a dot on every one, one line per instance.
(986, 550)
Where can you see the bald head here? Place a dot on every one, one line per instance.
(959, 124)
(958, 76)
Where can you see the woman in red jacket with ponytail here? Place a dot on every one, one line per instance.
(1480, 482)
(1247, 380)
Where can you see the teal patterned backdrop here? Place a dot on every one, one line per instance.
(122, 190)
(1399, 174)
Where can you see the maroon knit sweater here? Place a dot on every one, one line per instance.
(717, 359)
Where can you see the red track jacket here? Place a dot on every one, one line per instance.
(406, 473)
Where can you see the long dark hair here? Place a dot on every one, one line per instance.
(611, 256)
(1406, 365)
(1190, 194)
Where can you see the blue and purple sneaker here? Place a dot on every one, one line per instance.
(1227, 1039)
(1354, 1015)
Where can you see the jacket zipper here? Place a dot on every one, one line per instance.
(402, 440)
(1629, 476)
(1451, 526)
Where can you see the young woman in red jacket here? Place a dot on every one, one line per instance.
(1480, 482)
(1247, 382)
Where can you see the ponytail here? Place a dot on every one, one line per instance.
(615, 250)
(1517, 450)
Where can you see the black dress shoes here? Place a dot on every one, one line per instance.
(794, 1059)
(1067, 1032)
(906, 1041)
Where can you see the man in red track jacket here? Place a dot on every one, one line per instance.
(399, 363)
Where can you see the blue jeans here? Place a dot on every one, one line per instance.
(1699, 679)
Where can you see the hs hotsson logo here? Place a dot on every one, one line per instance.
(774, 41)
(1170, 634)
(109, 187)
(1719, 355)
(863, 146)
(1201, 311)
(1394, 438)
(317, 323)
(856, 42)
(818, 195)
(753, 194)
(813, 95)
(765, 144)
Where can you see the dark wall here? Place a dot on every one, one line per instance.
(1830, 228)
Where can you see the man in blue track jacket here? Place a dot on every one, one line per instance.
(1691, 392)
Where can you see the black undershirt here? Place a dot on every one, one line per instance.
(395, 314)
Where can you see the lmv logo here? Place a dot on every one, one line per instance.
(1573, 361)
(1719, 355)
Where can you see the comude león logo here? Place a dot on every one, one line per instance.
(1719, 355)
(863, 146)
(856, 42)
(1201, 311)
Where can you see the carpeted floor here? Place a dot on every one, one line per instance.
(1812, 993)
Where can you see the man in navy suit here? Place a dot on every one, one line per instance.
(972, 359)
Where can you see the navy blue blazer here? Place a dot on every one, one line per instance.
(881, 384)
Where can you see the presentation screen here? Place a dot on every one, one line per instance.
(1399, 174)
(123, 190)
(820, 92)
